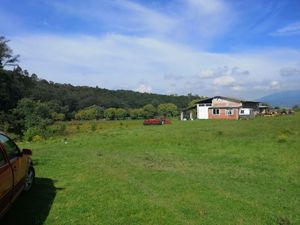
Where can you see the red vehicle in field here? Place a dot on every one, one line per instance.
(156, 122)
(16, 172)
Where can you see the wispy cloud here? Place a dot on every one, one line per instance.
(224, 81)
(290, 29)
(205, 19)
(117, 15)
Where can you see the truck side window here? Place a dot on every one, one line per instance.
(2, 160)
(10, 147)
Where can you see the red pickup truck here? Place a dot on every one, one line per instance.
(16, 172)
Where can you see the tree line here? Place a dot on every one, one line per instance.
(28, 103)
(148, 111)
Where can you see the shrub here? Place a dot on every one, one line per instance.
(58, 116)
(282, 138)
(62, 128)
(31, 132)
(37, 138)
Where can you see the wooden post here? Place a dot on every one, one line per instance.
(181, 116)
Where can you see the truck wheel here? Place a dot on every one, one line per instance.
(29, 179)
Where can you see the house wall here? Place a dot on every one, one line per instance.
(222, 114)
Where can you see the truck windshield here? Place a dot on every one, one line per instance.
(10, 147)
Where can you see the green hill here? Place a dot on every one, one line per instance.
(17, 84)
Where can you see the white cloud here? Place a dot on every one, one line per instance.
(206, 73)
(238, 88)
(144, 88)
(290, 29)
(118, 61)
(275, 84)
(224, 81)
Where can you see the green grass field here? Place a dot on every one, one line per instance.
(189, 172)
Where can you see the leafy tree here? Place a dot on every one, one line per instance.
(167, 110)
(110, 113)
(4, 121)
(120, 113)
(149, 111)
(192, 105)
(136, 113)
(6, 54)
(89, 113)
(193, 102)
(31, 114)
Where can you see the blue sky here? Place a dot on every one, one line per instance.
(241, 49)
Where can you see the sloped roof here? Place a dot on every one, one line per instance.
(209, 100)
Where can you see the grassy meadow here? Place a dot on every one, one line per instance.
(189, 172)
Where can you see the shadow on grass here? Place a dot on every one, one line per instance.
(32, 208)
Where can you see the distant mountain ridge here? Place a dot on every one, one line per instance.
(282, 99)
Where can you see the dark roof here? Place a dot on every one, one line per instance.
(209, 100)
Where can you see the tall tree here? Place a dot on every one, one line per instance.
(149, 110)
(167, 110)
(6, 54)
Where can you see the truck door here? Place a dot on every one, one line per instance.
(17, 163)
(6, 183)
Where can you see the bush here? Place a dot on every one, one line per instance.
(62, 128)
(37, 138)
(58, 116)
(282, 138)
(30, 133)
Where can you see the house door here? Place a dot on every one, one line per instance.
(202, 112)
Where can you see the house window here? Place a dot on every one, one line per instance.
(229, 111)
(242, 111)
(216, 111)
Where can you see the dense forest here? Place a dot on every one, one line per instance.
(29, 104)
